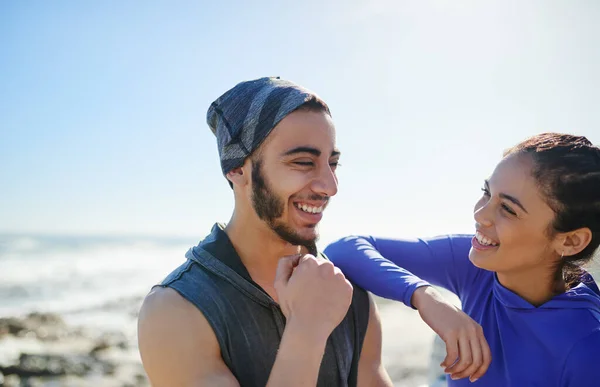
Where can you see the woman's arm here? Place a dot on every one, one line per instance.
(386, 266)
(395, 268)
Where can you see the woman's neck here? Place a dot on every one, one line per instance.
(536, 285)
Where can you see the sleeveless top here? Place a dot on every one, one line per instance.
(249, 324)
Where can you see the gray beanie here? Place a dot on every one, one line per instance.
(245, 115)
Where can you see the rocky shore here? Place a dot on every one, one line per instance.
(42, 350)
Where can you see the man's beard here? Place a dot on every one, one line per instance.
(269, 207)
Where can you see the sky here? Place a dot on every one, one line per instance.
(103, 104)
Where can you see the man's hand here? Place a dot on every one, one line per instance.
(313, 294)
(467, 350)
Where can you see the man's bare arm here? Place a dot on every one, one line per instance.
(371, 372)
(177, 345)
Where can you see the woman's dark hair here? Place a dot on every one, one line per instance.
(567, 170)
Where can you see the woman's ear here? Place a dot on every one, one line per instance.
(573, 242)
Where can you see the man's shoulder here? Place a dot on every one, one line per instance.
(164, 307)
(189, 271)
(189, 293)
(163, 298)
(197, 284)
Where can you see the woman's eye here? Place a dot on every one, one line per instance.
(508, 209)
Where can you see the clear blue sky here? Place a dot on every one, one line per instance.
(102, 104)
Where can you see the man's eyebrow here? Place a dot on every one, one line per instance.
(303, 149)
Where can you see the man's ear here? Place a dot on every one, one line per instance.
(237, 176)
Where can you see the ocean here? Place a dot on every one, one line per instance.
(82, 278)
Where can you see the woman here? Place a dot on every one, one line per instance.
(520, 276)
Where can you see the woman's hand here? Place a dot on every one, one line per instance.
(467, 350)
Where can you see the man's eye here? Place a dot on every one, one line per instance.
(304, 163)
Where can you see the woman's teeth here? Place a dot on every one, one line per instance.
(484, 241)
(309, 209)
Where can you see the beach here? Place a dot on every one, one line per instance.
(407, 344)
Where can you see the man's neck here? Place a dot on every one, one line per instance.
(259, 249)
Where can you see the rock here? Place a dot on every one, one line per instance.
(44, 351)
(57, 365)
(99, 347)
(12, 381)
(37, 318)
(141, 380)
(109, 340)
(29, 382)
(44, 326)
(11, 326)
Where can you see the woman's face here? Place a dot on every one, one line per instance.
(512, 220)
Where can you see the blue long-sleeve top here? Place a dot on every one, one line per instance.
(555, 344)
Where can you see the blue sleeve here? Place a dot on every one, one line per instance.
(395, 268)
(582, 367)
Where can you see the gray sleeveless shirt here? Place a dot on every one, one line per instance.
(249, 324)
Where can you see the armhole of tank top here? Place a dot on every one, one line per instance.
(220, 334)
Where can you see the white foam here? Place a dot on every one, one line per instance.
(62, 280)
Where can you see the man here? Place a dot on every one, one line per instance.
(237, 313)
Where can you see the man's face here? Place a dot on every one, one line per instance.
(293, 176)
